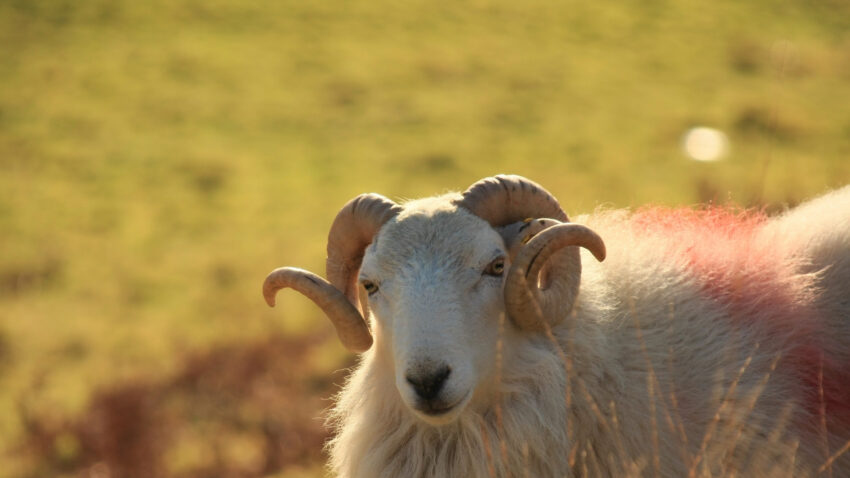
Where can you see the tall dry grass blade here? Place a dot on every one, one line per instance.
(781, 66)
(491, 467)
(657, 389)
(755, 394)
(636, 467)
(677, 426)
(774, 437)
(525, 469)
(597, 412)
(822, 410)
(673, 416)
(615, 428)
(500, 428)
(828, 464)
(650, 385)
(570, 375)
(794, 447)
(656, 451)
(568, 368)
(592, 459)
(583, 460)
(718, 415)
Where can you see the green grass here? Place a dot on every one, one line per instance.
(158, 158)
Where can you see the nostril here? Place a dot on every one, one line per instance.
(427, 385)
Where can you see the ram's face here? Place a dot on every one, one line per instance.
(434, 271)
(434, 278)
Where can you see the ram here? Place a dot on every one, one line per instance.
(709, 342)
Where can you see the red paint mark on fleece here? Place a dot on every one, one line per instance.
(718, 245)
(746, 274)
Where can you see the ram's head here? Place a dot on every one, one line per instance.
(430, 280)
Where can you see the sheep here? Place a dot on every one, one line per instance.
(492, 344)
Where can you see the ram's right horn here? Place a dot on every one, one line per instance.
(354, 228)
(350, 326)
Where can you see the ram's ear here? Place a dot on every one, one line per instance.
(517, 234)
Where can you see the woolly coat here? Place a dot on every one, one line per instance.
(709, 342)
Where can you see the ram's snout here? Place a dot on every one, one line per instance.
(434, 392)
(429, 382)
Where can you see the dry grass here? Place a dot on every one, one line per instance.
(250, 410)
(244, 410)
(722, 437)
(157, 158)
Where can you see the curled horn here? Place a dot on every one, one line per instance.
(531, 305)
(353, 229)
(534, 294)
(350, 326)
(505, 199)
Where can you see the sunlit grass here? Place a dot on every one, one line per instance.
(157, 159)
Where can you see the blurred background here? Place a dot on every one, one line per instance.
(158, 158)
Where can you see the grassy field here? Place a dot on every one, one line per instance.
(158, 158)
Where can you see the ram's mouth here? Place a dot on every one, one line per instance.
(441, 411)
(436, 409)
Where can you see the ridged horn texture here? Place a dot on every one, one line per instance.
(350, 326)
(505, 199)
(532, 298)
(353, 229)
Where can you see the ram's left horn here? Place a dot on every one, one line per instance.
(530, 301)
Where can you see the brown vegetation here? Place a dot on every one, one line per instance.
(243, 410)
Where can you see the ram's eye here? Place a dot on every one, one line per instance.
(370, 287)
(495, 268)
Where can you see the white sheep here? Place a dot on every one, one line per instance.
(708, 343)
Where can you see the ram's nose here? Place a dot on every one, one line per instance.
(428, 381)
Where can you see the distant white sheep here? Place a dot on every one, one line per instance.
(708, 343)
